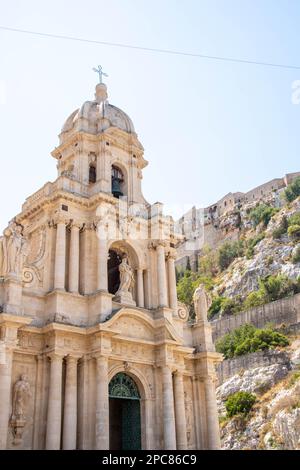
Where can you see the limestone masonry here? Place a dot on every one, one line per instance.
(95, 352)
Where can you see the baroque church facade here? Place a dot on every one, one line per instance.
(95, 350)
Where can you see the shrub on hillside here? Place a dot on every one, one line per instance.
(208, 262)
(273, 288)
(239, 403)
(294, 232)
(262, 214)
(293, 190)
(254, 299)
(252, 242)
(282, 229)
(228, 252)
(296, 256)
(215, 307)
(186, 287)
(225, 306)
(294, 219)
(247, 339)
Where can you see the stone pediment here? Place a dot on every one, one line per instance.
(132, 323)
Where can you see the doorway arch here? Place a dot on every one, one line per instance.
(124, 413)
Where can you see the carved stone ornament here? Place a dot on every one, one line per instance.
(21, 394)
(183, 312)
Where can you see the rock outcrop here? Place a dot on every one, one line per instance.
(274, 422)
(271, 256)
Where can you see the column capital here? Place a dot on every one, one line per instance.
(51, 223)
(60, 219)
(178, 373)
(87, 226)
(100, 358)
(171, 254)
(73, 358)
(75, 225)
(40, 357)
(55, 356)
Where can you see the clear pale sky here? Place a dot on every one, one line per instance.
(208, 127)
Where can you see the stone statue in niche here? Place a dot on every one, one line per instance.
(123, 295)
(202, 302)
(188, 416)
(13, 250)
(21, 394)
(126, 276)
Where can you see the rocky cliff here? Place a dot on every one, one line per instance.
(274, 421)
(275, 253)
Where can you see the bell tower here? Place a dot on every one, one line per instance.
(99, 150)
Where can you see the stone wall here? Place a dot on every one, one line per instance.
(230, 367)
(285, 311)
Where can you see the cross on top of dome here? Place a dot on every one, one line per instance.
(100, 72)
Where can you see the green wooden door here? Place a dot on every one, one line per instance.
(125, 415)
(131, 425)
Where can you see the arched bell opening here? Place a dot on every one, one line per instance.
(124, 413)
(118, 183)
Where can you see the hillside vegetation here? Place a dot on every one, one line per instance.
(261, 266)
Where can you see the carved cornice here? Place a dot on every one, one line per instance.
(114, 136)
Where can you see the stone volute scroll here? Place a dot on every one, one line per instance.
(123, 295)
(21, 395)
(202, 302)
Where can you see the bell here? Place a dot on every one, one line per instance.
(116, 187)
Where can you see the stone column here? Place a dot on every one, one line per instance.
(70, 406)
(101, 259)
(180, 412)
(199, 418)
(50, 261)
(74, 259)
(140, 288)
(83, 404)
(53, 431)
(213, 430)
(161, 276)
(172, 281)
(168, 410)
(147, 289)
(102, 405)
(60, 256)
(5, 387)
(38, 401)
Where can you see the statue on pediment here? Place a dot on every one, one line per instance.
(202, 302)
(13, 250)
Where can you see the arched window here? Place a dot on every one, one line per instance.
(92, 174)
(117, 181)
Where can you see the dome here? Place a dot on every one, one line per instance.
(96, 116)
